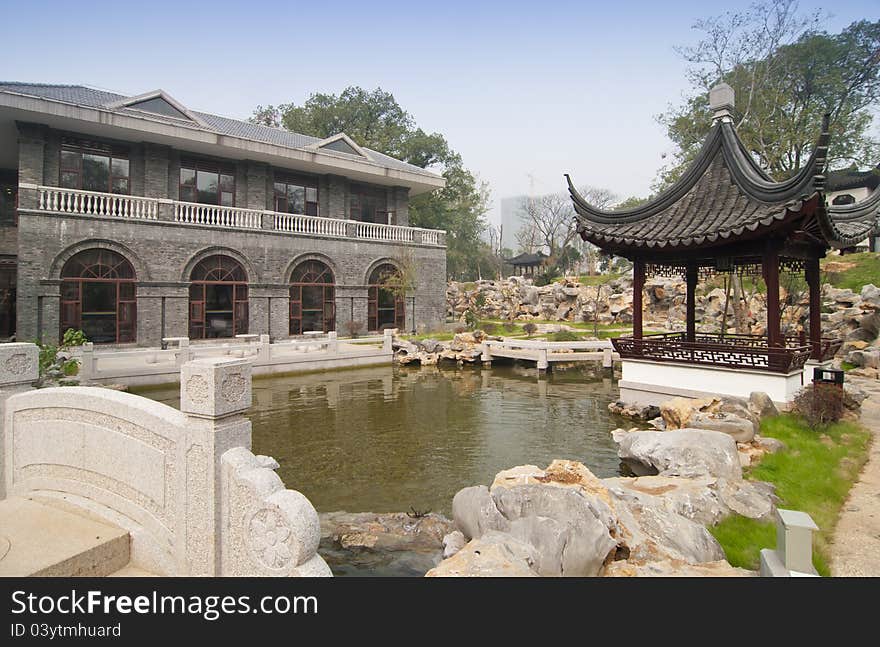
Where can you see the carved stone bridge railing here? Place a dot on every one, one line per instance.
(728, 351)
(184, 484)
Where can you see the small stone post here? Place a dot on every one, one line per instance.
(183, 352)
(264, 351)
(794, 546)
(543, 364)
(89, 364)
(19, 371)
(388, 337)
(485, 354)
(214, 393)
(333, 343)
(607, 358)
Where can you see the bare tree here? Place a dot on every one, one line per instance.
(550, 218)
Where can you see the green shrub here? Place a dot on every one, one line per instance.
(73, 337)
(564, 335)
(471, 319)
(530, 328)
(542, 279)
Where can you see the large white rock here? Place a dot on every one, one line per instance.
(474, 512)
(495, 554)
(683, 452)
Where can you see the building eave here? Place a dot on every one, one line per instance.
(200, 139)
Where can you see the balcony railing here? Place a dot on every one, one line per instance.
(97, 204)
(728, 351)
(90, 203)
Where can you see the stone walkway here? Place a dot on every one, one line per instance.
(856, 550)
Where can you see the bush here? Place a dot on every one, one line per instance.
(542, 279)
(565, 335)
(73, 337)
(489, 328)
(353, 328)
(530, 329)
(819, 404)
(471, 319)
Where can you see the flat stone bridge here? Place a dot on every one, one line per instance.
(543, 353)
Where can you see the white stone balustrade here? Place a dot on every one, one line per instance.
(96, 204)
(91, 203)
(217, 216)
(184, 484)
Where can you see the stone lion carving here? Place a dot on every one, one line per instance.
(233, 387)
(269, 538)
(197, 389)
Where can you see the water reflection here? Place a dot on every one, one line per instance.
(389, 438)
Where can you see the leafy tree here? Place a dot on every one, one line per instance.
(375, 120)
(786, 74)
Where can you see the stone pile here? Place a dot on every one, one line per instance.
(846, 314)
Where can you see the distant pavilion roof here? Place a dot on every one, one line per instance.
(528, 259)
(845, 179)
(724, 198)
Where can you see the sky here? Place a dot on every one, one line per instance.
(525, 91)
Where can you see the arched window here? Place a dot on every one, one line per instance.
(385, 308)
(218, 298)
(312, 298)
(98, 296)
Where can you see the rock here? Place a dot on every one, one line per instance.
(677, 412)
(870, 295)
(474, 512)
(676, 568)
(430, 345)
(652, 531)
(761, 405)
(495, 554)
(683, 452)
(745, 499)
(452, 543)
(634, 411)
(692, 498)
(870, 323)
(385, 531)
(770, 445)
(740, 429)
(570, 531)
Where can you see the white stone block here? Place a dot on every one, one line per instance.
(214, 387)
(19, 363)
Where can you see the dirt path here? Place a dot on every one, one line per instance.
(856, 546)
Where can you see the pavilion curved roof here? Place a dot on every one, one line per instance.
(725, 197)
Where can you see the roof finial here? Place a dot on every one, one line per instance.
(721, 102)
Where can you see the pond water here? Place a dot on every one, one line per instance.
(388, 439)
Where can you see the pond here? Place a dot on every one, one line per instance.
(392, 439)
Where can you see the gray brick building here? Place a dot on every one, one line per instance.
(136, 219)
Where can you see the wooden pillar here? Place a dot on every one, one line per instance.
(691, 318)
(811, 269)
(638, 290)
(770, 263)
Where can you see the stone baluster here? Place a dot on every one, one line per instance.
(19, 371)
(184, 354)
(89, 368)
(332, 343)
(387, 338)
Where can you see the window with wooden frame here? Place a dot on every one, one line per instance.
(218, 298)
(385, 307)
(312, 298)
(368, 204)
(297, 195)
(207, 182)
(94, 166)
(98, 296)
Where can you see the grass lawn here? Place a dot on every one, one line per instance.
(598, 279)
(813, 473)
(852, 270)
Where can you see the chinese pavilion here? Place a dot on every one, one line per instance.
(725, 214)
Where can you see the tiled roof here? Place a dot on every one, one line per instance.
(724, 197)
(91, 98)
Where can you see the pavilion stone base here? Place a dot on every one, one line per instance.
(645, 382)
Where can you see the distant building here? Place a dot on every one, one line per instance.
(849, 186)
(511, 222)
